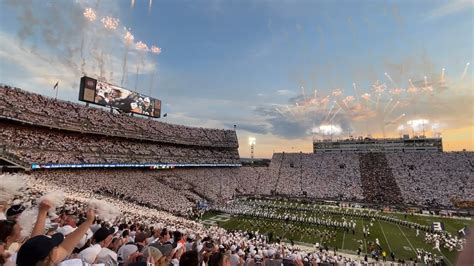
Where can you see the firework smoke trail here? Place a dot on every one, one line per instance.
(150, 2)
(151, 81)
(334, 115)
(347, 100)
(391, 80)
(90, 15)
(83, 63)
(393, 108)
(355, 92)
(330, 110)
(142, 49)
(111, 73)
(388, 104)
(338, 105)
(396, 119)
(442, 74)
(279, 111)
(412, 89)
(465, 71)
(315, 95)
(136, 77)
(132, 4)
(379, 89)
(289, 110)
(128, 39)
(154, 50)
(304, 94)
(366, 97)
(102, 65)
(426, 81)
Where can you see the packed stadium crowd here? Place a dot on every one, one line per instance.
(433, 179)
(377, 180)
(42, 145)
(36, 109)
(76, 231)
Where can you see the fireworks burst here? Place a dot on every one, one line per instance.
(155, 50)
(110, 23)
(141, 46)
(128, 38)
(379, 87)
(365, 96)
(396, 91)
(89, 14)
(337, 92)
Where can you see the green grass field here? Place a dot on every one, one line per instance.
(398, 238)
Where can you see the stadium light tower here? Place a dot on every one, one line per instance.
(252, 142)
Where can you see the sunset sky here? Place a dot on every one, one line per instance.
(280, 70)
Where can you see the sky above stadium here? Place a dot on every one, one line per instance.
(284, 72)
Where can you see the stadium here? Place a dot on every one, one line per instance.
(357, 202)
(101, 178)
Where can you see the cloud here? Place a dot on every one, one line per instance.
(284, 92)
(253, 128)
(449, 8)
(297, 122)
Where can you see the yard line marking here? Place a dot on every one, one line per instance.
(383, 232)
(365, 243)
(412, 248)
(343, 238)
(450, 263)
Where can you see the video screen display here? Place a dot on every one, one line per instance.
(106, 94)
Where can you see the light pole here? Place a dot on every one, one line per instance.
(252, 142)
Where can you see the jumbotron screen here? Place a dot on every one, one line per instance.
(105, 94)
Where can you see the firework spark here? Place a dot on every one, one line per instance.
(330, 110)
(110, 23)
(334, 115)
(396, 91)
(155, 50)
(366, 96)
(128, 38)
(412, 89)
(394, 121)
(337, 92)
(141, 46)
(391, 80)
(89, 14)
(379, 87)
(355, 91)
(465, 71)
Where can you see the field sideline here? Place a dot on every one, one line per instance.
(402, 240)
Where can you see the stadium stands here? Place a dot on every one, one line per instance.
(37, 129)
(418, 179)
(378, 183)
(41, 145)
(35, 109)
(55, 132)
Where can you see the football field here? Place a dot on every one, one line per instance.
(400, 239)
